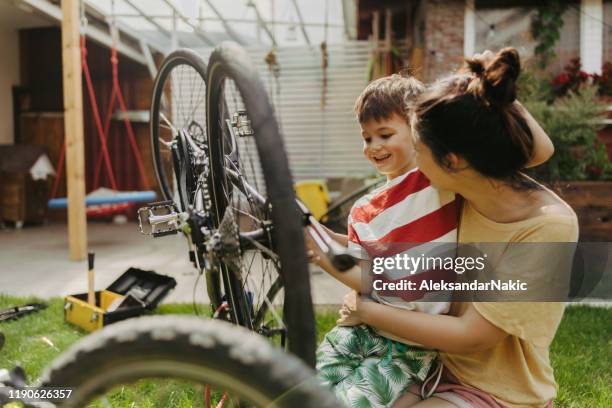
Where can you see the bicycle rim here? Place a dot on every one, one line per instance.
(247, 161)
(257, 289)
(178, 361)
(167, 383)
(179, 103)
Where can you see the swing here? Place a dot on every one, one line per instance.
(105, 201)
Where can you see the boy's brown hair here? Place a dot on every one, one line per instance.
(386, 96)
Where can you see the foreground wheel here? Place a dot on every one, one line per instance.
(250, 178)
(168, 361)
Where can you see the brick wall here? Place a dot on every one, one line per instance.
(443, 37)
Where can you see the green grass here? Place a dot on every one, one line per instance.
(581, 353)
(581, 356)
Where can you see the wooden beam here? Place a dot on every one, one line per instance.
(73, 125)
(93, 31)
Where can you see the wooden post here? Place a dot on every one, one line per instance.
(73, 125)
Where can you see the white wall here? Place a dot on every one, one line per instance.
(591, 35)
(9, 76)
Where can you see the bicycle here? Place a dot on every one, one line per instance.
(336, 216)
(225, 178)
(216, 181)
(231, 218)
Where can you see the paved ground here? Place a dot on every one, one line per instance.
(34, 261)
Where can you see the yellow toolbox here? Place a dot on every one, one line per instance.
(132, 294)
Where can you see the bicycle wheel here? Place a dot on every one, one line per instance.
(250, 179)
(167, 361)
(179, 97)
(336, 217)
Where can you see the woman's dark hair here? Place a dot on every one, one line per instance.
(472, 114)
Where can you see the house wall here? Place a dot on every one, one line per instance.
(513, 28)
(9, 77)
(607, 32)
(443, 35)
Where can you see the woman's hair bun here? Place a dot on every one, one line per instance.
(498, 78)
(476, 66)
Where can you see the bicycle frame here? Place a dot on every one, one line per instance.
(260, 238)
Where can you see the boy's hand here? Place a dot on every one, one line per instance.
(349, 312)
(315, 256)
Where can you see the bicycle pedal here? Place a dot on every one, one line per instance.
(159, 219)
(242, 124)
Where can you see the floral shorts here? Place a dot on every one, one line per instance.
(367, 370)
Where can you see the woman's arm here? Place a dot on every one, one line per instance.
(543, 147)
(451, 334)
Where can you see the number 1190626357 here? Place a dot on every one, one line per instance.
(37, 394)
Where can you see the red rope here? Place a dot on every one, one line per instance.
(222, 401)
(98, 123)
(103, 131)
(109, 115)
(207, 396)
(60, 169)
(207, 399)
(126, 121)
(117, 95)
(96, 113)
(217, 312)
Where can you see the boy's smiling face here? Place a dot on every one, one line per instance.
(387, 144)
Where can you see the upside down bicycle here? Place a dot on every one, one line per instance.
(222, 169)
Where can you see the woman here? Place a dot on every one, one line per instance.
(472, 138)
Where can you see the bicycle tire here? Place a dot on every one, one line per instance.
(207, 351)
(230, 61)
(179, 57)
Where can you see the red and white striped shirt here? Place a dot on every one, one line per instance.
(406, 216)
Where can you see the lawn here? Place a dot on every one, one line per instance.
(581, 353)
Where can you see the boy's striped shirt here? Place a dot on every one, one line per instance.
(406, 216)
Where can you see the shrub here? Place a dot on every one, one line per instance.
(571, 122)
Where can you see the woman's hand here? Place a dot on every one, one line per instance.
(350, 310)
(543, 148)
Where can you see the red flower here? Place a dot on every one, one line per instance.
(594, 171)
(561, 79)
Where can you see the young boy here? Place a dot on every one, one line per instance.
(379, 223)
(405, 216)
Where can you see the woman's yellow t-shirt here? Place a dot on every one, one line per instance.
(516, 371)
